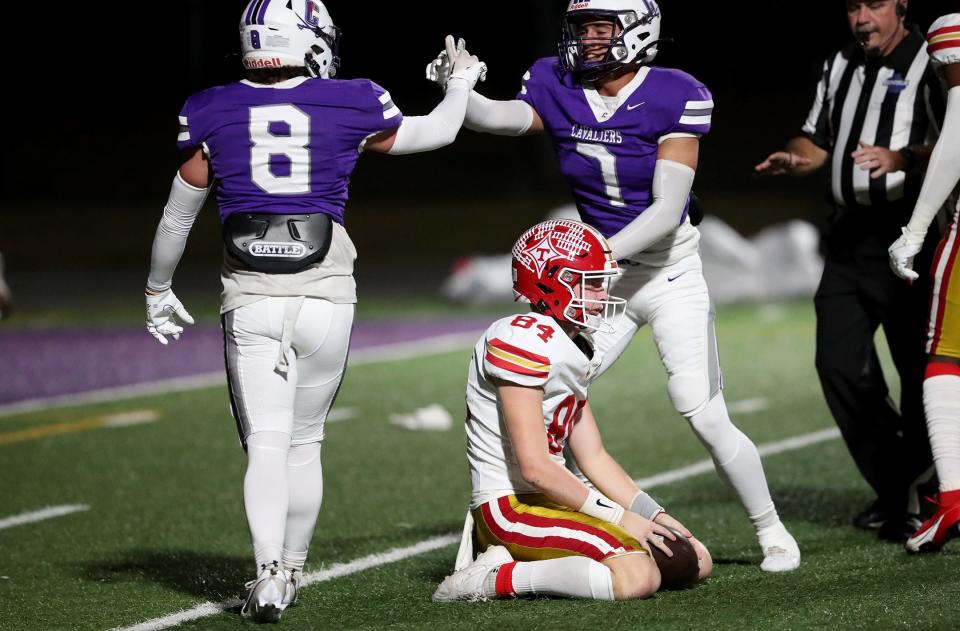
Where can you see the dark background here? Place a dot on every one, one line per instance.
(94, 123)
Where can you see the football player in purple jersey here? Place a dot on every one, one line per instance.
(627, 136)
(280, 146)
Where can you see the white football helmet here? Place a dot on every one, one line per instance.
(276, 33)
(636, 42)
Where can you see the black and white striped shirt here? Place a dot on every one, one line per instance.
(893, 101)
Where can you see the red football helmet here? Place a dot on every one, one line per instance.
(552, 263)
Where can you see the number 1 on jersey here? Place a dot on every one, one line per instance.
(608, 169)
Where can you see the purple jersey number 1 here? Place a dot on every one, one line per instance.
(608, 169)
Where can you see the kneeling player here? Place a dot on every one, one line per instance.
(527, 399)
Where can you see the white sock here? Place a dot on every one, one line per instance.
(734, 455)
(293, 560)
(764, 520)
(572, 577)
(305, 490)
(941, 401)
(776, 535)
(265, 494)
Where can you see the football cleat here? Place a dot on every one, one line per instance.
(939, 529)
(467, 584)
(293, 584)
(780, 550)
(265, 594)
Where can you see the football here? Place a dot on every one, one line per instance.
(679, 571)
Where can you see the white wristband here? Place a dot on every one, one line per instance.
(602, 507)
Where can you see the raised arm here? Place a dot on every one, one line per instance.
(503, 118)
(439, 128)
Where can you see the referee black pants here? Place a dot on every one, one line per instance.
(889, 445)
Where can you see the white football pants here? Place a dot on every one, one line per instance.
(674, 301)
(285, 361)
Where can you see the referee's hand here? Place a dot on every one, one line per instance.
(781, 163)
(878, 160)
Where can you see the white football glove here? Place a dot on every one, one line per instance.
(438, 70)
(463, 65)
(902, 252)
(161, 309)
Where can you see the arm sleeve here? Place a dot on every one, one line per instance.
(672, 183)
(817, 125)
(503, 118)
(179, 214)
(438, 128)
(943, 172)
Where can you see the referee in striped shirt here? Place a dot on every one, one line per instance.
(873, 123)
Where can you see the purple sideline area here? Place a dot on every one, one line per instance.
(45, 363)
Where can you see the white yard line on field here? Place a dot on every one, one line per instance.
(382, 353)
(338, 415)
(334, 571)
(747, 406)
(769, 449)
(40, 515)
(398, 554)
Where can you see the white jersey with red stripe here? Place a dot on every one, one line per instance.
(527, 350)
(943, 40)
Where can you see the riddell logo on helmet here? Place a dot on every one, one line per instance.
(578, 5)
(250, 64)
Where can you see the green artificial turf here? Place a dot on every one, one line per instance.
(166, 529)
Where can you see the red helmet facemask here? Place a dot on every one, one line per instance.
(553, 264)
